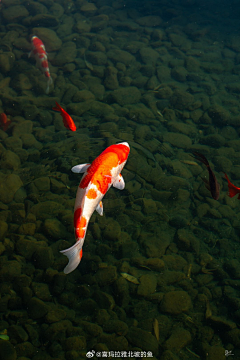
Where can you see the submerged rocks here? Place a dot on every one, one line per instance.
(9, 186)
(7, 351)
(176, 302)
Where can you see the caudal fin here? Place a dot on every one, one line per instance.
(49, 83)
(74, 254)
(232, 189)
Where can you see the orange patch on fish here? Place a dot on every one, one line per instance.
(91, 194)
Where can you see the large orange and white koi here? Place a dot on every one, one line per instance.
(98, 177)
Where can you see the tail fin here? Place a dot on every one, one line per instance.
(232, 189)
(200, 157)
(74, 254)
(57, 107)
(49, 83)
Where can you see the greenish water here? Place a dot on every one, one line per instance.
(160, 272)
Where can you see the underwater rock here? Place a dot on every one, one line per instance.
(178, 340)
(111, 80)
(26, 247)
(232, 266)
(149, 20)
(29, 141)
(155, 264)
(99, 22)
(10, 160)
(176, 302)
(25, 349)
(13, 143)
(219, 114)
(148, 285)
(3, 230)
(106, 276)
(186, 240)
(12, 270)
(67, 54)
(169, 355)
(163, 74)
(113, 342)
(82, 27)
(41, 291)
(75, 343)
(83, 95)
(116, 326)
(37, 308)
(126, 95)
(14, 13)
(122, 292)
(121, 56)
(43, 20)
(79, 108)
(57, 329)
(24, 127)
(182, 100)
(7, 351)
(213, 140)
(21, 82)
(155, 245)
(92, 329)
(149, 206)
(27, 229)
(148, 55)
(96, 57)
(179, 73)
(43, 257)
(6, 61)
(55, 315)
(46, 209)
(216, 353)
(112, 231)
(42, 183)
(177, 140)
(104, 300)
(143, 340)
(9, 186)
(54, 228)
(89, 9)
(17, 333)
(48, 37)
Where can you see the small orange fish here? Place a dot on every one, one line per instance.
(67, 120)
(4, 121)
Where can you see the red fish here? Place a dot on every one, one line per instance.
(212, 185)
(232, 189)
(67, 120)
(98, 177)
(40, 54)
(4, 121)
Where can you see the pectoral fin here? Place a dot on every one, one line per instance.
(99, 208)
(81, 168)
(119, 183)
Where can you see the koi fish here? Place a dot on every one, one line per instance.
(212, 185)
(98, 177)
(4, 121)
(232, 189)
(40, 54)
(67, 120)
